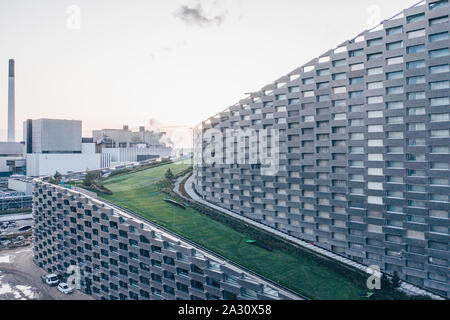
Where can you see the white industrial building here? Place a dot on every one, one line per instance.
(56, 145)
(10, 152)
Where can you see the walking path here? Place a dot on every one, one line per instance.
(405, 287)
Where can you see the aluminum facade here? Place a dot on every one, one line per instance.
(364, 150)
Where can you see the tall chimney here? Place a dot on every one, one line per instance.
(11, 103)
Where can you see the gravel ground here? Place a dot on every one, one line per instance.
(20, 279)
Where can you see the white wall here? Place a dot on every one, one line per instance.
(20, 186)
(48, 164)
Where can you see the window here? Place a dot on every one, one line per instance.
(339, 76)
(374, 71)
(356, 53)
(416, 34)
(394, 45)
(394, 75)
(439, 133)
(323, 72)
(439, 85)
(308, 81)
(294, 89)
(416, 49)
(356, 94)
(439, 53)
(416, 80)
(339, 63)
(439, 36)
(375, 85)
(439, 20)
(395, 105)
(438, 4)
(374, 56)
(395, 30)
(374, 42)
(440, 117)
(357, 80)
(375, 99)
(394, 60)
(415, 18)
(394, 90)
(356, 66)
(375, 114)
(439, 69)
(416, 95)
(338, 90)
(416, 111)
(435, 102)
(416, 64)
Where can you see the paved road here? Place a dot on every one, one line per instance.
(15, 217)
(20, 279)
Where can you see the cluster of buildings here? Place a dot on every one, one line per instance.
(51, 145)
(363, 150)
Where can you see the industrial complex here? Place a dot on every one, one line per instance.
(363, 150)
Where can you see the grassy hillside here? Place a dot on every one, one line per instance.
(138, 192)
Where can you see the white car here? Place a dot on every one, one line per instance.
(64, 288)
(50, 279)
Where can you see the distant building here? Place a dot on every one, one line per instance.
(11, 158)
(57, 145)
(119, 146)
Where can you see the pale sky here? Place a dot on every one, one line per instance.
(135, 60)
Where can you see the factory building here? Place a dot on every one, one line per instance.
(363, 150)
(56, 145)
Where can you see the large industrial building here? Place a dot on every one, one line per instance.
(123, 257)
(364, 139)
(56, 145)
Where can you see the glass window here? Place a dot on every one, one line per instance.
(394, 75)
(416, 34)
(416, 80)
(374, 42)
(395, 90)
(339, 63)
(394, 45)
(394, 60)
(439, 20)
(416, 95)
(415, 18)
(340, 76)
(438, 4)
(416, 64)
(357, 80)
(395, 30)
(439, 53)
(439, 36)
(439, 69)
(434, 102)
(395, 105)
(416, 49)
(375, 85)
(374, 71)
(439, 85)
(440, 117)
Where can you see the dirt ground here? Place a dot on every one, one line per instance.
(20, 279)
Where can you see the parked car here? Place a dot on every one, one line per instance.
(64, 288)
(50, 279)
(24, 228)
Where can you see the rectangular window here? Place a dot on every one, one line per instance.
(395, 30)
(439, 36)
(439, 85)
(395, 60)
(339, 63)
(416, 95)
(438, 4)
(395, 105)
(416, 34)
(374, 42)
(439, 20)
(415, 18)
(357, 80)
(416, 80)
(439, 69)
(356, 66)
(416, 64)
(356, 53)
(439, 53)
(374, 71)
(394, 90)
(416, 49)
(394, 75)
(440, 117)
(339, 76)
(375, 85)
(435, 102)
(394, 45)
(376, 99)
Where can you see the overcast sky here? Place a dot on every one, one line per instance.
(177, 61)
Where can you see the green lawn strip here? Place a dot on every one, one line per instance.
(138, 192)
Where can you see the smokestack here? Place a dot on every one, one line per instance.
(11, 103)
